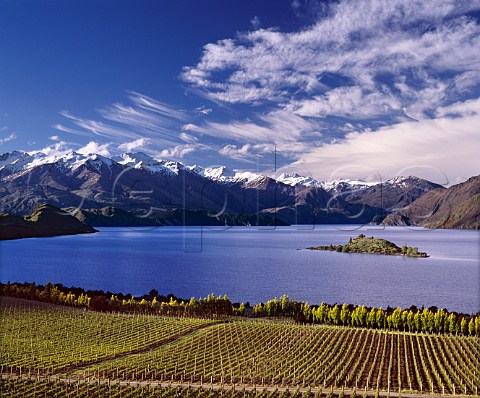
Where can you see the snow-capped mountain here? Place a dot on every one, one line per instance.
(225, 175)
(296, 179)
(335, 186)
(140, 160)
(138, 182)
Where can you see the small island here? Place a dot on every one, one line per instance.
(363, 244)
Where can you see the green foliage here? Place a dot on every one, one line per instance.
(212, 306)
(363, 244)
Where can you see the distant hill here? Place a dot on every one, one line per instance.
(394, 194)
(45, 220)
(112, 217)
(454, 207)
(109, 217)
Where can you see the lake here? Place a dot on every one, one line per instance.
(256, 264)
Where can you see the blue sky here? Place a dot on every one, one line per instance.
(362, 89)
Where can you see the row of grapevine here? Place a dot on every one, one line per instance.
(276, 354)
(39, 339)
(48, 338)
(11, 388)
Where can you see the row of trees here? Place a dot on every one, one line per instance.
(412, 320)
(210, 306)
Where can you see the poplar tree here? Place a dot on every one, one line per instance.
(345, 315)
(380, 318)
(452, 323)
(471, 327)
(464, 326)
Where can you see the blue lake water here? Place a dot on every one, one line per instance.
(252, 264)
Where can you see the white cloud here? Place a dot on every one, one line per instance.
(190, 127)
(65, 129)
(203, 110)
(350, 102)
(10, 137)
(179, 151)
(96, 148)
(427, 148)
(458, 109)
(130, 146)
(187, 137)
(366, 44)
(255, 22)
(234, 152)
(58, 149)
(274, 127)
(54, 138)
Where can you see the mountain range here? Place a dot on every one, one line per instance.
(137, 189)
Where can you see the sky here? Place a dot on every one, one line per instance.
(328, 89)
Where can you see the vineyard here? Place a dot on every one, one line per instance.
(31, 388)
(108, 354)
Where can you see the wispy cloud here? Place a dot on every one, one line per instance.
(273, 127)
(368, 81)
(365, 47)
(203, 110)
(255, 22)
(54, 138)
(143, 120)
(375, 82)
(10, 137)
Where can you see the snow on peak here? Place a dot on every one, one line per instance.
(19, 161)
(133, 158)
(401, 180)
(140, 160)
(195, 169)
(224, 174)
(296, 179)
(346, 184)
(221, 173)
(15, 161)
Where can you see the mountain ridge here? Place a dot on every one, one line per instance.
(141, 184)
(455, 207)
